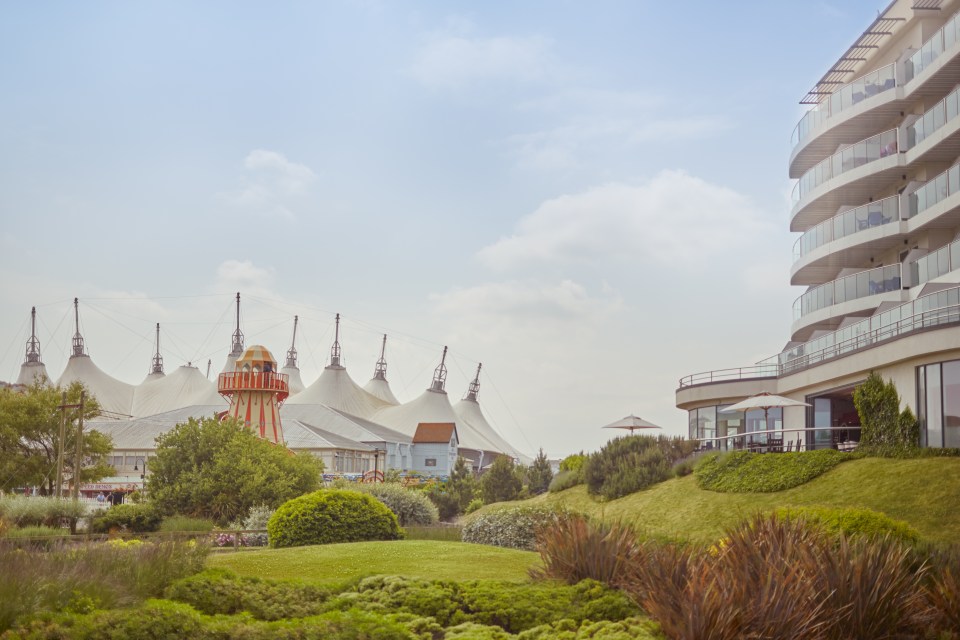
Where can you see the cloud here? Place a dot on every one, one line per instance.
(271, 184)
(674, 220)
(243, 275)
(456, 60)
(527, 299)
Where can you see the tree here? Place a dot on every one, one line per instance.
(539, 474)
(452, 497)
(884, 429)
(219, 469)
(30, 437)
(501, 483)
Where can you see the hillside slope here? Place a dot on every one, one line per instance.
(924, 492)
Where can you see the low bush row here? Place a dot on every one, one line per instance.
(748, 472)
(511, 527)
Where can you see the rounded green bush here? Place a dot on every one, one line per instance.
(411, 507)
(138, 518)
(331, 515)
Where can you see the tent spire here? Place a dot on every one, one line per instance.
(380, 371)
(440, 374)
(335, 349)
(77, 338)
(292, 351)
(157, 366)
(236, 349)
(33, 345)
(474, 387)
(209, 362)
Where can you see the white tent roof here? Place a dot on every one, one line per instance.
(300, 435)
(140, 433)
(469, 414)
(112, 394)
(153, 375)
(335, 388)
(381, 388)
(294, 381)
(30, 371)
(341, 423)
(186, 386)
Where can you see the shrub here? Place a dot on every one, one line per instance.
(256, 520)
(632, 463)
(565, 480)
(634, 628)
(573, 462)
(539, 474)
(853, 521)
(186, 523)
(411, 507)
(747, 472)
(475, 504)
(772, 574)
(137, 518)
(501, 482)
(24, 511)
(573, 548)
(885, 430)
(331, 515)
(512, 527)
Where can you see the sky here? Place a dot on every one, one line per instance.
(591, 199)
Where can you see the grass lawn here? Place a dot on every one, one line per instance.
(924, 492)
(335, 563)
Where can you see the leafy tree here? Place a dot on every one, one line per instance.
(539, 474)
(884, 429)
(220, 469)
(30, 437)
(501, 482)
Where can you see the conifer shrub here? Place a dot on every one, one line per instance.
(885, 430)
(748, 472)
(331, 515)
(632, 463)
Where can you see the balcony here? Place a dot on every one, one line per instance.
(235, 381)
(942, 40)
(856, 155)
(933, 265)
(842, 225)
(853, 287)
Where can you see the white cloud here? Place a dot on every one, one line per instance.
(527, 299)
(674, 220)
(455, 60)
(272, 183)
(243, 275)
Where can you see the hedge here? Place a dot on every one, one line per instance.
(331, 515)
(748, 472)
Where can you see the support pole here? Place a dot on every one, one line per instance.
(61, 444)
(78, 455)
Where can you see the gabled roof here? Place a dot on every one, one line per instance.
(434, 432)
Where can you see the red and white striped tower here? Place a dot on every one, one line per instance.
(256, 391)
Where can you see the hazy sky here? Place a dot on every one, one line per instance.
(589, 198)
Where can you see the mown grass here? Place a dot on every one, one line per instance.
(335, 563)
(921, 491)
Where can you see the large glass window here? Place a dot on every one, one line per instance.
(934, 407)
(950, 379)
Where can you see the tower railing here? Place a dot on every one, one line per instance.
(253, 381)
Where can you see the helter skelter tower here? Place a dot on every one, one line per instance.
(256, 391)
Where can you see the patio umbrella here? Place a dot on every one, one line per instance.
(765, 401)
(631, 422)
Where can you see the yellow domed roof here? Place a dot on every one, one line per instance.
(256, 358)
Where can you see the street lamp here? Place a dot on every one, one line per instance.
(143, 476)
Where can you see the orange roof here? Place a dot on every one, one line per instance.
(435, 432)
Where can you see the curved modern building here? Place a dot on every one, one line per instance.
(877, 209)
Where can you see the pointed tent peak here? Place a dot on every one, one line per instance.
(236, 344)
(157, 364)
(474, 389)
(380, 371)
(33, 344)
(292, 351)
(440, 375)
(335, 349)
(209, 362)
(78, 347)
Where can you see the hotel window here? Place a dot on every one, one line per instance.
(430, 462)
(938, 404)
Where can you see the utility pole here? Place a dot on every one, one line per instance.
(78, 455)
(61, 443)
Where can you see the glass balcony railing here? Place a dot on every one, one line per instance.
(856, 155)
(870, 215)
(858, 285)
(944, 185)
(941, 113)
(933, 265)
(942, 40)
(850, 94)
(941, 307)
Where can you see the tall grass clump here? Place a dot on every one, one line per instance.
(32, 511)
(632, 463)
(770, 574)
(574, 548)
(90, 576)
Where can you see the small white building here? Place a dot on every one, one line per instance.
(435, 448)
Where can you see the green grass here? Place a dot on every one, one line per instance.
(336, 563)
(921, 491)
